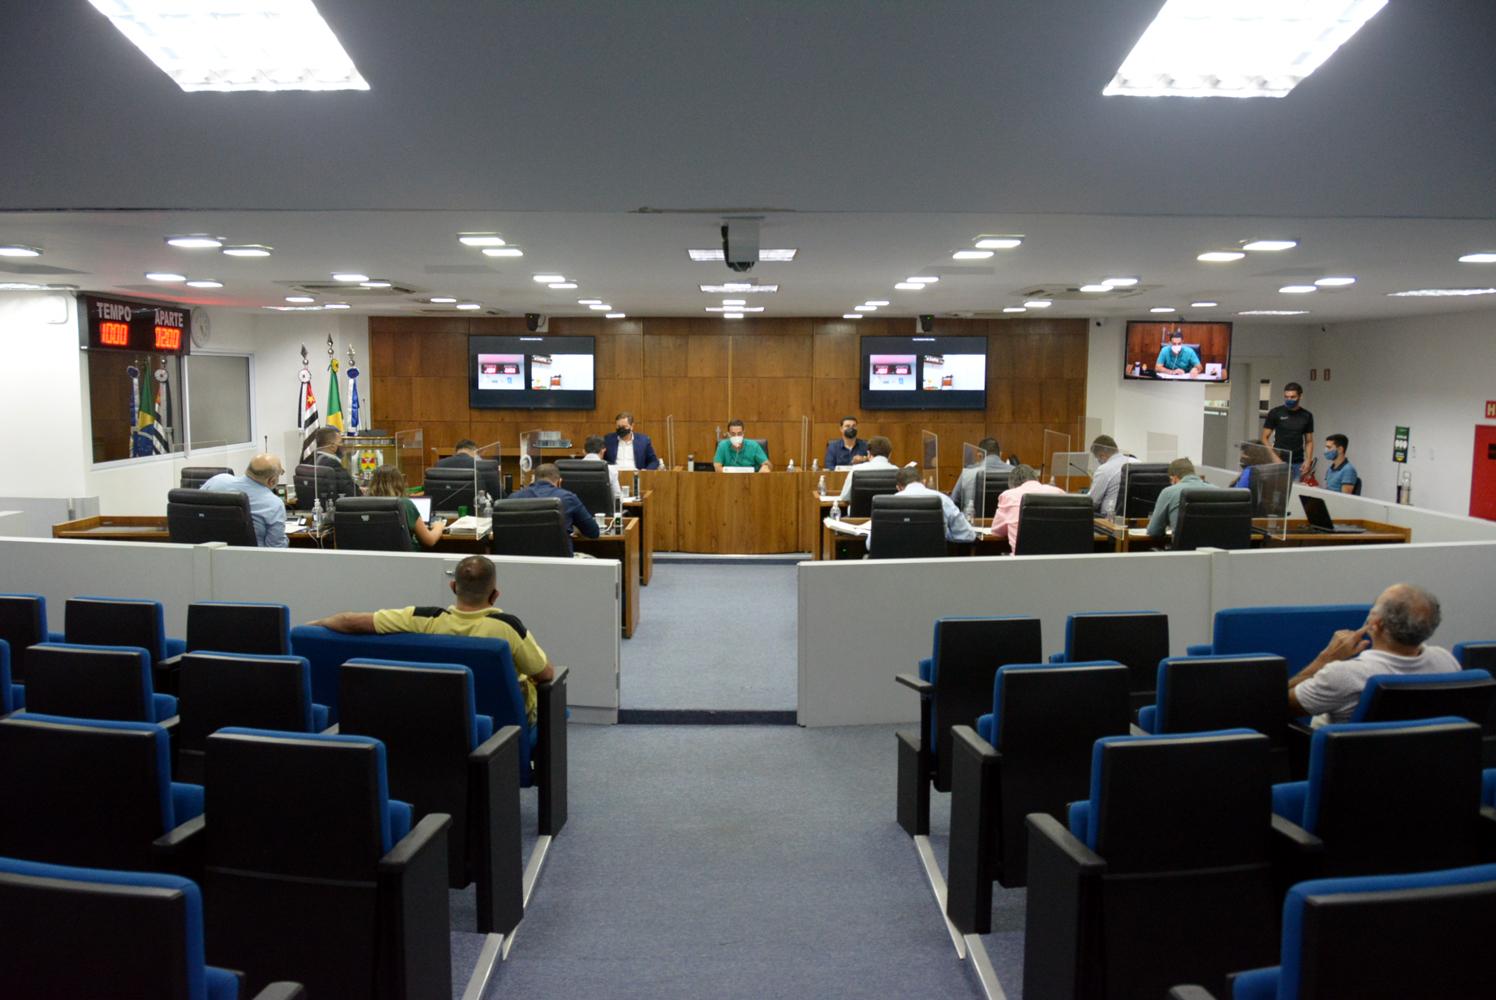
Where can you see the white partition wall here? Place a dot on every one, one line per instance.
(175, 575)
(861, 622)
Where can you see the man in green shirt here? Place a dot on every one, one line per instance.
(1182, 477)
(475, 585)
(737, 451)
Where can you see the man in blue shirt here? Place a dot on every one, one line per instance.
(957, 527)
(547, 484)
(1177, 359)
(266, 510)
(851, 451)
(1182, 477)
(1342, 477)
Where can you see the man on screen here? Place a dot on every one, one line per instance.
(636, 451)
(850, 450)
(1177, 359)
(738, 451)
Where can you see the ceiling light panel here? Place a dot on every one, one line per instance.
(549, 279)
(1297, 289)
(1269, 246)
(1237, 48)
(1483, 257)
(1220, 256)
(204, 283)
(1204, 305)
(194, 241)
(19, 250)
(469, 306)
(738, 288)
(1163, 309)
(247, 250)
(1095, 289)
(782, 255)
(352, 277)
(616, 316)
(923, 279)
(734, 309)
(971, 255)
(165, 276)
(1038, 303)
(1278, 312)
(851, 315)
(480, 239)
(1441, 293)
(503, 252)
(910, 286)
(1335, 281)
(998, 242)
(1014, 309)
(236, 44)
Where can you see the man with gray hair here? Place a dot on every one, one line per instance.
(1391, 642)
(1107, 478)
(1022, 480)
(266, 510)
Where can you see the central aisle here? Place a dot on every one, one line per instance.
(732, 862)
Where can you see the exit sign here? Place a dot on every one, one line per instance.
(1491, 409)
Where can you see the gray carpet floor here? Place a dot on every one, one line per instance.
(713, 636)
(731, 862)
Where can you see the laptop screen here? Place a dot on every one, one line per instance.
(423, 507)
(1317, 513)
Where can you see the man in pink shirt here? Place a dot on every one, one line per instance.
(1022, 481)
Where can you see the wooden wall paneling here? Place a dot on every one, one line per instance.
(834, 351)
(707, 402)
(1000, 400)
(771, 355)
(1000, 361)
(834, 398)
(620, 356)
(392, 399)
(613, 396)
(660, 398)
(442, 355)
(1053, 402)
(706, 355)
(1026, 401)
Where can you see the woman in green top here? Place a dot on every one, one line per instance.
(389, 481)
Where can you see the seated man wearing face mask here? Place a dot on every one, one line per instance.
(737, 451)
(324, 477)
(850, 450)
(1176, 359)
(627, 450)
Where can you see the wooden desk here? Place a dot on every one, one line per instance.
(624, 548)
(747, 513)
(639, 507)
(814, 509)
(1270, 535)
(107, 528)
(661, 484)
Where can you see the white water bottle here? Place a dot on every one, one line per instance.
(821, 486)
(836, 510)
(970, 512)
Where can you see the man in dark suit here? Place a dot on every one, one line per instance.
(547, 484)
(465, 456)
(638, 451)
(324, 477)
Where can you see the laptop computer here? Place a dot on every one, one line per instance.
(423, 507)
(1319, 518)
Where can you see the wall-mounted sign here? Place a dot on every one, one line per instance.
(1491, 409)
(1400, 444)
(116, 324)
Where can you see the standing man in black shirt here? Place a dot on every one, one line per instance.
(1290, 428)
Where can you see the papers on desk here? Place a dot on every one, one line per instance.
(470, 525)
(843, 528)
(1137, 532)
(295, 528)
(828, 497)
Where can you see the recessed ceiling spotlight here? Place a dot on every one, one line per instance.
(1277, 312)
(1439, 293)
(772, 256)
(923, 279)
(562, 286)
(165, 276)
(380, 283)
(1269, 246)
(194, 241)
(910, 286)
(851, 315)
(337, 305)
(503, 252)
(300, 298)
(1119, 282)
(971, 255)
(442, 300)
(876, 302)
(1236, 48)
(247, 250)
(19, 250)
(204, 283)
(1297, 289)
(738, 287)
(601, 307)
(616, 316)
(998, 242)
(546, 279)
(1204, 304)
(1335, 282)
(1095, 288)
(732, 315)
(1163, 309)
(1220, 256)
(1483, 257)
(1038, 303)
(1014, 309)
(865, 309)
(480, 239)
(468, 306)
(589, 302)
(352, 277)
(295, 309)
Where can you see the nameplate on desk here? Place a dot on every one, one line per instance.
(737, 468)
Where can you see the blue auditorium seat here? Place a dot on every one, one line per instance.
(1203, 693)
(1295, 632)
(1138, 640)
(23, 624)
(228, 689)
(12, 696)
(95, 682)
(120, 621)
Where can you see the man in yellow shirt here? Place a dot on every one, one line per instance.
(475, 585)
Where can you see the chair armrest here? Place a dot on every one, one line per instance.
(1190, 993)
(182, 849)
(498, 855)
(165, 674)
(1133, 729)
(550, 752)
(913, 683)
(1199, 649)
(1299, 735)
(1061, 956)
(1487, 834)
(281, 991)
(1290, 835)
(1297, 855)
(972, 864)
(415, 911)
(331, 730)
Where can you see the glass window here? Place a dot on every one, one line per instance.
(218, 400)
(117, 381)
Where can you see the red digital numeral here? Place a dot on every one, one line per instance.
(114, 334)
(168, 338)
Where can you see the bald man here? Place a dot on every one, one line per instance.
(266, 510)
(1391, 642)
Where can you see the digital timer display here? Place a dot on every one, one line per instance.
(107, 323)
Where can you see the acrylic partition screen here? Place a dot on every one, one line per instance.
(1055, 444)
(410, 454)
(974, 472)
(930, 458)
(529, 457)
(1265, 471)
(489, 459)
(1161, 447)
(670, 442)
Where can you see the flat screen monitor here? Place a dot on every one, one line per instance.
(1204, 353)
(532, 373)
(924, 373)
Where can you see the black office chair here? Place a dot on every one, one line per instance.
(530, 527)
(375, 524)
(993, 484)
(1213, 518)
(592, 482)
(764, 444)
(1139, 487)
(868, 483)
(907, 527)
(194, 516)
(450, 489)
(1356, 490)
(193, 476)
(324, 482)
(1051, 524)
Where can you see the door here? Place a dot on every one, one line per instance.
(1483, 473)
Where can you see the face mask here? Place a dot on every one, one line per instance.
(850, 434)
(1176, 348)
(624, 432)
(1330, 454)
(1292, 404)
(737, 440)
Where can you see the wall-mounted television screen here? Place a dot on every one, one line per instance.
(924, 373)
(1178, 352)
(531, 373)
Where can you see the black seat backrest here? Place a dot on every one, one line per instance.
(1398, 799)
(868, 483)
(1139, 487)
(969, 653)
(102, 621)
(375, 524)
(291, 806)
(81, 795)
(105, 682)
(530, 527)
(1468, 698)
(1171, 804)
(325, 482)
(62, 935)
(196, 515)
(1200, 694)
(193, 476)
(230, 627)
(1217, 518)
(590, 481)
(217, 690)
(764, 444)
(1473, 656)
(993, 482)
(23, 624)
(1137, 639)
(1050, 524)
(450, 488)
(907, 527)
